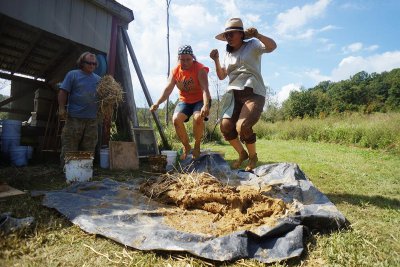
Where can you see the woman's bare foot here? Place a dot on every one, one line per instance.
(185, 152)
(242, 157)
(196, 151)
(252, 163)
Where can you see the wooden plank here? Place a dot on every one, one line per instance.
(123, 156)
(7, 191)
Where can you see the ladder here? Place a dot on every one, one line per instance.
(52, 135)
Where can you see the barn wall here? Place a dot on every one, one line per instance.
(81, 21)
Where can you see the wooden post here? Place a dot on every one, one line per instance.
(144, 87)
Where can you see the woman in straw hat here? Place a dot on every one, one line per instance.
(191, 78)
(246, 92)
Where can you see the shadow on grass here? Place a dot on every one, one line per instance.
(361, 200)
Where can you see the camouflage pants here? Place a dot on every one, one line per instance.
(78, 135)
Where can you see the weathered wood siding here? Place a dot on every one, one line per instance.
(78, 20)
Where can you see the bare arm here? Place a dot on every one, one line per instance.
(62, 101)
(221, 72)
(269, 43)
(203, 80)
(167, 91)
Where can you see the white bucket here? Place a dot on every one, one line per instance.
(171, 156)
(78, 166)
(105, 158)
(18, 156)
(11, 128)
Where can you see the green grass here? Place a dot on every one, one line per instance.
(376, 131)
(363, 183)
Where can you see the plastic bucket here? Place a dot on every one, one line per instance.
(171, 156)
(18, 156)
(78, 166)
(105, 158)
(11, 128)
(29, 152)
(8, 142)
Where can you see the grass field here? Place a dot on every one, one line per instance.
(364, 184)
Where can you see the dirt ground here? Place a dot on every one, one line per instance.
(205, 206)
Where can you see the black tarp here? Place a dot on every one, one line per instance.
(120, 212)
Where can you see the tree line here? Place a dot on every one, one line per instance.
(363, 92)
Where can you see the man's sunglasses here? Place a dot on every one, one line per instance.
(90, 63)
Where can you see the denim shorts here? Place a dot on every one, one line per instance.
(188, 109)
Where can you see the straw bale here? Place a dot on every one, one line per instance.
(110, 95)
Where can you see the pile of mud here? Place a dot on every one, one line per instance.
(203, 205)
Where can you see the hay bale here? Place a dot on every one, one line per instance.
(110, 95)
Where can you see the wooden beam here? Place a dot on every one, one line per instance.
(25, 80)
(144, 87)
(18, 111)
(27, 51)
(11, 99)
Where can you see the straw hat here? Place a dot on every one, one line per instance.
(233, 24)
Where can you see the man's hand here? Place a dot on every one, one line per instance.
(62, 113)
(251, 33)
(214, 55)
(154, 107)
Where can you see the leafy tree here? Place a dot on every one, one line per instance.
(300, 104)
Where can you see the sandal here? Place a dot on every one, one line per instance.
(242, 157)
(252, 163)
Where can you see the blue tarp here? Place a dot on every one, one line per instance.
(120, 212)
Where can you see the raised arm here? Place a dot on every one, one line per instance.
(221, 72)
(269, 43)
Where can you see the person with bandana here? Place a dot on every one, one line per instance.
(191, 78)
(246, 92)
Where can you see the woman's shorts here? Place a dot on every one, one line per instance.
(188, 109)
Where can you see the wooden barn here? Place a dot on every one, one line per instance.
(40, 41)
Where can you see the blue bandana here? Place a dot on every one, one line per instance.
(185, 50)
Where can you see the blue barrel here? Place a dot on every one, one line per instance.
(11, 128)
(18, 156)
(10, 136)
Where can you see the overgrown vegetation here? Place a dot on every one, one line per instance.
(376, 131)
(363, 92)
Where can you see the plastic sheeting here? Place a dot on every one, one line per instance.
(120, 212)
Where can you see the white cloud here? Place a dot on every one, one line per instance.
(292, 22)
(358, 47)
(186, 18)
(376, 63)
(283, 94)
(372, 47)
(230, 8)
(316, 76)
(352, 48)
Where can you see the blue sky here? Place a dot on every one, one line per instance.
(317, 40)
